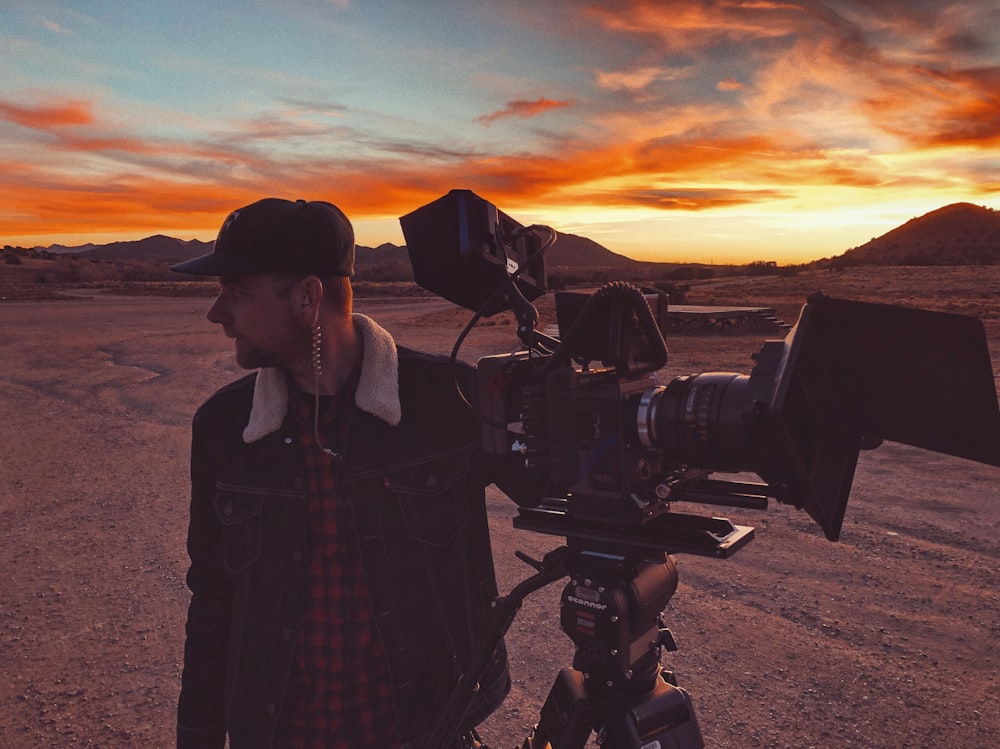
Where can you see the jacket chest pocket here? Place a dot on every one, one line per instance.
(432, 500)
(240, 514)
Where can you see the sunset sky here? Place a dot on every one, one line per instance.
(675, 131)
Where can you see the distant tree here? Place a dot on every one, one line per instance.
(843, 262)
(675, 294)
(762, 267)
(681, 273)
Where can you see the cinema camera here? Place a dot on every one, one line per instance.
(610, 451)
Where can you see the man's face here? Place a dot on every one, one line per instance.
(251, 312)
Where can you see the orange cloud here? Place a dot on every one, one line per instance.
(136, 207)
(887, 70)
(957, 108)
(683, 24)
(688, 199)
(637, 169)
(170, 198)
(43, 117)
(523, 109)
(632, 80)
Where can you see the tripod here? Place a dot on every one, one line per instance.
(611, 611)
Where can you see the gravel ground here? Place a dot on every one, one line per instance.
(888, 638)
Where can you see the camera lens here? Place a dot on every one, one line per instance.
(698, 420)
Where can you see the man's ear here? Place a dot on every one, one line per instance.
(308, 297)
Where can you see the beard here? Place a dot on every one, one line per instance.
(249, 356)
(284, 353)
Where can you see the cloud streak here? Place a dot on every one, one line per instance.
(44, 116)
(523, 110)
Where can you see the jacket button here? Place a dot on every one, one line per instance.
(288, 440)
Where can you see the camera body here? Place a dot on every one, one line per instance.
(577, 428)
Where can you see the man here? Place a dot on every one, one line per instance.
(341, 572)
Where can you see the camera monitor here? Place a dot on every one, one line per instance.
(462, 248)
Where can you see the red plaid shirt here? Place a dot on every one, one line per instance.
(339, 695)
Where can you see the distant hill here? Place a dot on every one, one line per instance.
(958, 234)
(61, 249)
(387, 262)
(572, 251)
(157, 247)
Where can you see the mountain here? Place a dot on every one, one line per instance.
(157, 247)
(61, 249)
(958, 234)
(572, 251)
(569, 251)
(389, 262)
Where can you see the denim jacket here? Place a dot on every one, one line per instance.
(412, 468)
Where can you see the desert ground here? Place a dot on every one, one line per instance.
(888, 638)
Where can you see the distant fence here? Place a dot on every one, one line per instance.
(696, 320)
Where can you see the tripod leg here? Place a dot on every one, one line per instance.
(568, 716)
(664, 717)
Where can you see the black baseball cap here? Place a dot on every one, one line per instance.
(274, 235)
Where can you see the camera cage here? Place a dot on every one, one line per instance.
(847, 376)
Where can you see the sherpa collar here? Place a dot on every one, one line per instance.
(377, 393)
